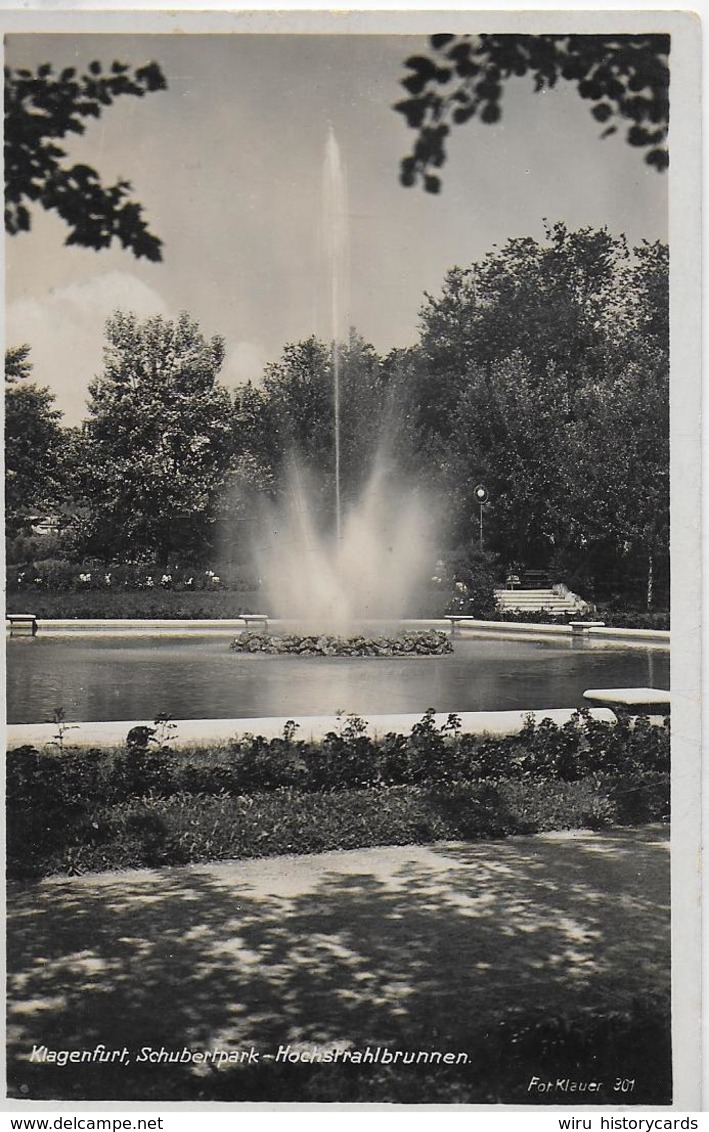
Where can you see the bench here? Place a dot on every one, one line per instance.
(250, 618)
(583, 626)
(632, 701)
(20, 619)
(454, 618)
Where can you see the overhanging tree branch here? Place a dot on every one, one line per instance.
(41, 108)
(624, 77)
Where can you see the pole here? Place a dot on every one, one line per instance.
(336, 381)
(482, 497)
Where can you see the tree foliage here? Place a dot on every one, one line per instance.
(548, 302)
(543, 371)
(624, 78)
(33, 444)
(17, 363)
(43, 107)
(299, 413)
(619, 480)
(158, 440)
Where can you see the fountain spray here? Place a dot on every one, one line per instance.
(336, 240)
(382, 548)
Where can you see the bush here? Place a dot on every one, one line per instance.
(27, 548)
(618, 619)
(259, 797)
(154, 605)
(466, 580)
(191, 827)
(613, 620)
(346, 758)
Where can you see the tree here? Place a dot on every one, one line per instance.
(299, 407)
(549, 302)
(17, 363)
(507, 432)
(158, 440)
(33, 444)
(623, 77)
(42, 107)
(617, 484)
(542, 372)
(299, 414)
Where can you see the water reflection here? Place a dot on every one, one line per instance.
(196, 676)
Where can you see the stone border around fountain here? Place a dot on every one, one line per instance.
(654, 638)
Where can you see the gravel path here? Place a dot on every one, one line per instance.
(410, 945)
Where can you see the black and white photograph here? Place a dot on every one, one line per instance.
(351, 466)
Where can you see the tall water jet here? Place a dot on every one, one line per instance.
(380, 549)
(335, 240)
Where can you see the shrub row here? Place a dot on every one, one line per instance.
(258, 797)
(659, 619)
(344, 759)
(426, 643)
(159, 605)
(612, 618)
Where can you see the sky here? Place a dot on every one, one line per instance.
(228, 163)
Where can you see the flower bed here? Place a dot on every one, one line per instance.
(428, 643)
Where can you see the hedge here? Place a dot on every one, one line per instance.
(86, 810)
(612, 618)
(152, 604)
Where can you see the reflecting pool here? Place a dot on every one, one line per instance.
(196, 676)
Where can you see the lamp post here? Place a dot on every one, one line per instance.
(482, 498)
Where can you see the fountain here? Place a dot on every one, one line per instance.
(379, 552)
(335, 240)
(367, 572)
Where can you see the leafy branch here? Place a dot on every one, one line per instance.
(624, 77)
(41, 108)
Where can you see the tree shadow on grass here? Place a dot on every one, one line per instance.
(413, 948)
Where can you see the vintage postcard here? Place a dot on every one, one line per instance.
(352, 466)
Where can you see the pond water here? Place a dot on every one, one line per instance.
(196, 676)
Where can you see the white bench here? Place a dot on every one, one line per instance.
(251, 618)
(455, 618)
(20, 619)
(578, 627)
(634, 701)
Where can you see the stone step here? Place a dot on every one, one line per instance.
(530, 593)
(563, 603)
(521, 595)
(535, 600)
(514, 599)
